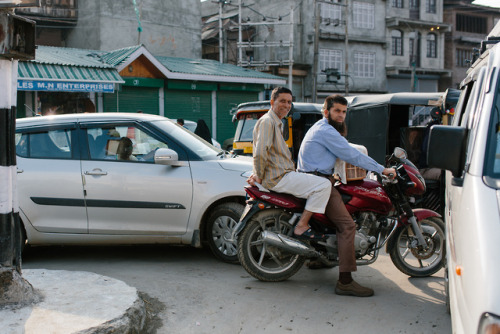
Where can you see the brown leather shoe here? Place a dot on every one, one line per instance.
(353, 289)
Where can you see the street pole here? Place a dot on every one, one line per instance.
(221, 53)
(10, 255)
(317, 21)
(346, 63)
(240, 38)
(13, 287)
(414, 62)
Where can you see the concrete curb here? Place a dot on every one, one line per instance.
(76, 302)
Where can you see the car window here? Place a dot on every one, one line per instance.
(189, 140)
(53, 144)
(122, 143)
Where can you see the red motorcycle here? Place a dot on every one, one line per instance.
(381, 209)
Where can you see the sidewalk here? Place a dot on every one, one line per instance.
(76, 301)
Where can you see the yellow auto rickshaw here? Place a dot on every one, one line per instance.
(300, 118)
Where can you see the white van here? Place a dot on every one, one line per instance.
(469, 150)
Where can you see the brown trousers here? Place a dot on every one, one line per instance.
(346, 229)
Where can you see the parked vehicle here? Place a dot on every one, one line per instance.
(414, 238)
(116, 178)
(470, 152)
(295, 125)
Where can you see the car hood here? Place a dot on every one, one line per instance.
(238, 163)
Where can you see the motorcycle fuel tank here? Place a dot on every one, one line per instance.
(366, 195)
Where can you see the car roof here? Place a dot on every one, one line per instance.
(424, 99)
(88, 117)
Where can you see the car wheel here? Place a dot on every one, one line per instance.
(220, 225)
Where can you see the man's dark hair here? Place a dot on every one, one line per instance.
(180, 121)
(330, 100)
(280, 90)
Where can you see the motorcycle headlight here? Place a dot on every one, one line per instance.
(489, 324)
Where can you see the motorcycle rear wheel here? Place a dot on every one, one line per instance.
(267, 263)
(416, 262)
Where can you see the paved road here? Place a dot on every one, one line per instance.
(203, 295)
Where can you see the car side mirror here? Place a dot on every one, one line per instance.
(168, 157)
(446, 149)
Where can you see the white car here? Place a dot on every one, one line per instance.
(116, 178)
(470, 151)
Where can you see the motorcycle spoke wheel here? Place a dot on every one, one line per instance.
(417, 261)
(267, 263)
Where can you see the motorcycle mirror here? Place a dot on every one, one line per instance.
(400, 153)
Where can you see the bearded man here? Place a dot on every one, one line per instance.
(322, 145)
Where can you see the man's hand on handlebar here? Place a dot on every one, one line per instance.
(254, 178)
(390, 173)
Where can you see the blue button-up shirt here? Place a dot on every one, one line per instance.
(321, 147)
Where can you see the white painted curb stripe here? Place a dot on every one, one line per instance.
(8, 189)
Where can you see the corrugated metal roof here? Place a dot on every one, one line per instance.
(116, 57)
(68, 64)
(35, 71)
(69, 57)
(210, 68)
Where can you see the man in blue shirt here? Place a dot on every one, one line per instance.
(322, 145)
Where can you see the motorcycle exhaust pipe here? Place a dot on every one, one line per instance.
(288, 244)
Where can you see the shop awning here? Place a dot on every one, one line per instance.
(69, 70)
(34, 71)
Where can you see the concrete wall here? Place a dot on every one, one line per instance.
(169, 28)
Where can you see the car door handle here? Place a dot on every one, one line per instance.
(96, 171)
(19, 171)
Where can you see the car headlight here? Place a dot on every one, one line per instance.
(489, 324)
(246, 174)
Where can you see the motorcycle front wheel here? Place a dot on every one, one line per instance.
(416, 261)
(264, 262)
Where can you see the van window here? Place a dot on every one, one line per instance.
(461, 104)
(492, 156)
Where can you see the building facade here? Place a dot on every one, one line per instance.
(345, 46)
(166, 28)
(470, 24)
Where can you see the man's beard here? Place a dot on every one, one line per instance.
(339, 126)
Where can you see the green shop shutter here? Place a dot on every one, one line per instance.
(189, 104)
(132, 99)
(227, 101)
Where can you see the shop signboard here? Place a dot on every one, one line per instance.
(65, 86)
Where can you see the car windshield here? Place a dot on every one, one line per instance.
(199, 146)
(245, 127)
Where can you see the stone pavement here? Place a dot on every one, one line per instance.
(76, 302)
